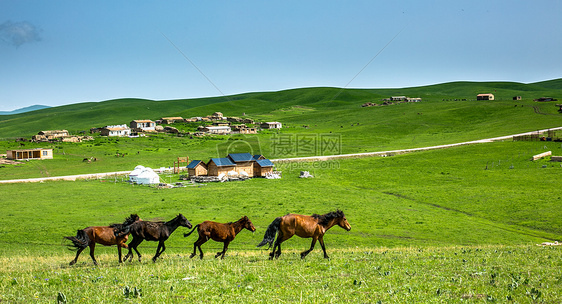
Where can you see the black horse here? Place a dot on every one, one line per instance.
(104, 235)
(151, 231)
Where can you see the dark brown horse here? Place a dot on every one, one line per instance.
(102, 235)
(304, 226)
(224, 233)
(152, 231)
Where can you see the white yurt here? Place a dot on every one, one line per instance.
(144, 176)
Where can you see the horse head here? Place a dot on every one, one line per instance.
(342, 221)
(183, 221)
(248, 224)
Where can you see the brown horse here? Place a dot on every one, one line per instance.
(218, 232)
(152, 231)
(102, 235)
(304, 226)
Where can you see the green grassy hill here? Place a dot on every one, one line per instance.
(447, 114)
(328, 102)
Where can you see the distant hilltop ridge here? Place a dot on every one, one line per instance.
(24, 110)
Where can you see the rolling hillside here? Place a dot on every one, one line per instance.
(269, 105)
(448, 114)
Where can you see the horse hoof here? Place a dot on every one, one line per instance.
(72, 263)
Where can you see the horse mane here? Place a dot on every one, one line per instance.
(242, 219)
(128, 221)
(326, 218)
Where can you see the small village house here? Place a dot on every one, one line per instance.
(485, 97)
(169, 120)
(116, 130)
(235, 119)
(244, 163)
(262, 166)
(221, 130)
(197, 168)
(218, 166)
(21, 154)
(50, 135)
(243, 129)
(271, 125)
(217, 116)
(398, 98)
(145, 125)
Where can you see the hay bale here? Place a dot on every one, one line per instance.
(539, 156)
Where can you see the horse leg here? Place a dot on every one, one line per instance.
(76, 258)
(321, 240)
(133, 245)
(119, 246)
(119, 251)
(92, 248)
(278, 253)
(306, 252)
(197, 245)
(224, 249)
(129, 254)
(280, 239)
(138, 253)
(275, 245)
(162, 246)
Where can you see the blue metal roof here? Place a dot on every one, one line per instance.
(264, 163)
(193, 164)
(257, 156)
(241, 157)
(220, 162)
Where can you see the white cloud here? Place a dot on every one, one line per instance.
(18, 33)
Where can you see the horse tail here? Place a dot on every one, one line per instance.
(80, 241)
(270, 233)
(188, 234)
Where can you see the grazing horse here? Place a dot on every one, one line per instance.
(152, 231)
(102, 235)
(304, 226)
(218, 232)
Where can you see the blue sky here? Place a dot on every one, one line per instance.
(62, 52)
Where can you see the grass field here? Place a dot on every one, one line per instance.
(474, 274)
(440, 226)
(435, 226)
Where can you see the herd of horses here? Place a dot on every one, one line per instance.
(304, 226)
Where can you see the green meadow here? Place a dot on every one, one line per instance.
(433, 226)
(450, 225)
